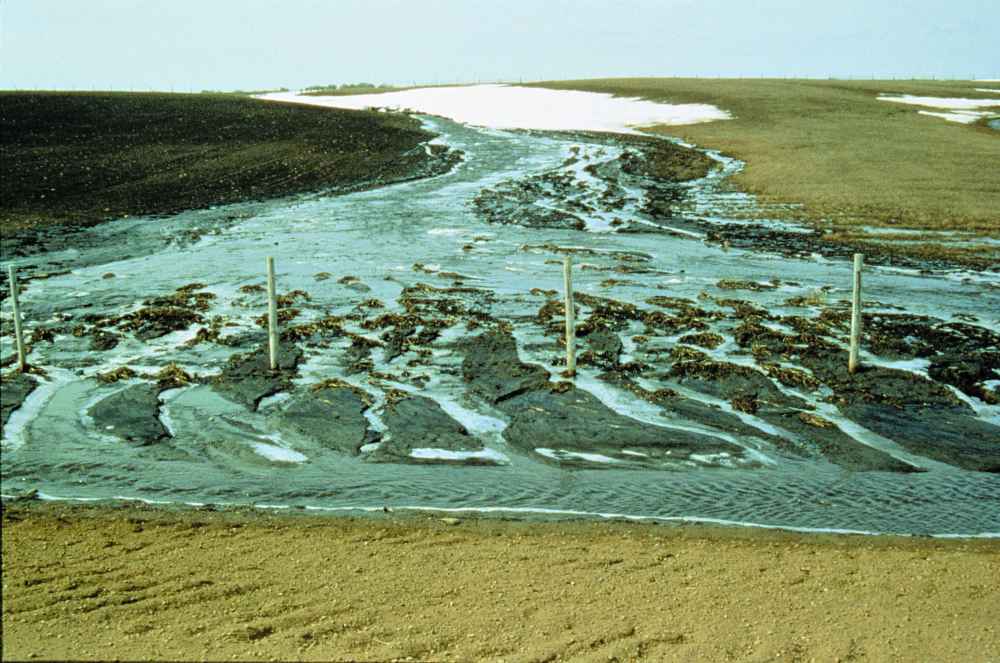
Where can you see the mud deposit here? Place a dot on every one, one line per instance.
(422, 357)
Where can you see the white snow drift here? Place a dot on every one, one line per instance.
(513, 107)
(953, 109)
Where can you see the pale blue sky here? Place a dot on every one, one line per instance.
(222, 44)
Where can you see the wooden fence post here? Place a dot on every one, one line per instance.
(22, 363)
(570, 315)
(852, 364)
(272, 315)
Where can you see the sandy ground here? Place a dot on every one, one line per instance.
(139, 583)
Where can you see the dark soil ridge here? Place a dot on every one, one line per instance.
(132, 414)
(651, 156)
(562, 417)
(15, 387)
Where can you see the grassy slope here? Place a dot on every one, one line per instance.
(80, 158)
(834, 147)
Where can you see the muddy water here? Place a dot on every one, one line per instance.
(220, 452)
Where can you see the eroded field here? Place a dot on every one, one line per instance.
(423, 320)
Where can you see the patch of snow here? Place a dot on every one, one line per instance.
(918, 365)
(560, 454)
(950, 103)
(445, 454)
(475, 422)
(963, 117)
(953, 109)
(269, 401)
(514, 107)
(721, 458)
(278, 454)
(905, 231)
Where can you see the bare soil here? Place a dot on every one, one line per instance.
(74, 159)
(140, 583)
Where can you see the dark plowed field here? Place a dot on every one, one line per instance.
(81, 158)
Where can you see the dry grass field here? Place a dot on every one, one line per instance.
(849, 158)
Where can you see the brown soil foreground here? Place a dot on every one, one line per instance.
(129, 583)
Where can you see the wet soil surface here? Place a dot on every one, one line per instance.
(332, 413)
(572, 425)
(416, 422)
(249, 378)
(133, 414)
(422, 356)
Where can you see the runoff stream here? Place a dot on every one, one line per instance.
(346, 250)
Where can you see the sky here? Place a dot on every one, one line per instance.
(191, 45)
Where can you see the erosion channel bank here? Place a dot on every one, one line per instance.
(421, 358)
